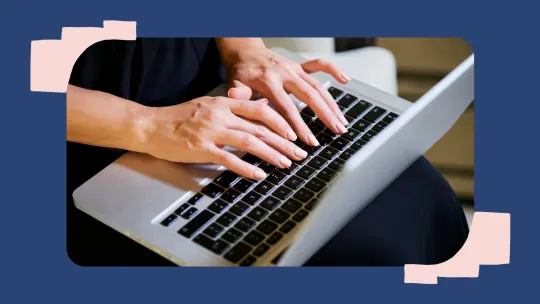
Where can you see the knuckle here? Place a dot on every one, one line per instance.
(261, 108)
(248, 140)
(261, 131)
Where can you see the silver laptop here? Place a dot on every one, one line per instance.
(204, 215)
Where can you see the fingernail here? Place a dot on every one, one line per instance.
(300, 153)
(341, 128)
(285, 162)
(264, 100)
(259, 174)
(229, 92)
(291, 135)
(345, 77)
(313, 141)
(343, 120)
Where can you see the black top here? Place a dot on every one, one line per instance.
(150, 71)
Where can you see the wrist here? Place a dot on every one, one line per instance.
(140, 125)
(230, 47)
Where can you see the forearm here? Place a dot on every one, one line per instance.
(229, 46)
(101, 119)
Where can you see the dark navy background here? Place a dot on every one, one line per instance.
(35, 266)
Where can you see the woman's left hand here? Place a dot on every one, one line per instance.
(250, 65)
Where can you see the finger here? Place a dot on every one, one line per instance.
(251, 144)
(321, 65)
(238, 90)
(303, 91)
(286, 107)
(275, 141)
(315, 84)
(235, 164)
(262, 112)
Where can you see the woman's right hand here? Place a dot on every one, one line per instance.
(196, 131)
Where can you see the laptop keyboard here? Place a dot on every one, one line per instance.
(248, 217)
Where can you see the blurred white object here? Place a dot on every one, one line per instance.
(374, 66)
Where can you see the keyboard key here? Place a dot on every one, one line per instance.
(300, 215)
(274, 238)
(257, 213)
(289, 170)
(315, 127)
(244, 224)
(212, 190)
(270, 203)
(189, 213)
(339, 143)
(324, 139)
(326, 174)
(346, 154)
(312, 150)
(267, 227)
(378, 127)
(308, 111)
(312, 204)
(390, 117)
(315, 185)
(243, 185)
(248, 261)
(294, 182)
(303, 195)
(168, 220)
(374, 114)
(351, 135)
(321, 193)
(193, 200)
(317, 162)
(336, 164)
(215, 246)
(358, 109)
(302, 161)
(254, 238)
(282, 192)
(292, 205)
(328, 153)
(279, 216)
(361, 125)
(275, 177)
(288, 226)
(264, 187)
(305, 172)
(213, 230)
(266, 167)
(239, 208)
(226, 179)
(181, 209)
(369, 135)
(251, 198)
(335, 92)
(217, 206)
(226, 219)
(262, 249)
(357, 145)
(230, 195)
(196, 223)
(251, 159)
(306, 118)
(232, 235)
(238, 252)
(347, 100)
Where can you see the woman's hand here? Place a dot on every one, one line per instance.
(196, 131)
(249, 63)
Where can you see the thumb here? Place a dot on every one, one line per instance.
(239, 90)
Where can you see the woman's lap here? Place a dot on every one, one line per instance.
(416, 220)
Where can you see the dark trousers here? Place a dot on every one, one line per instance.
(417, 219)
